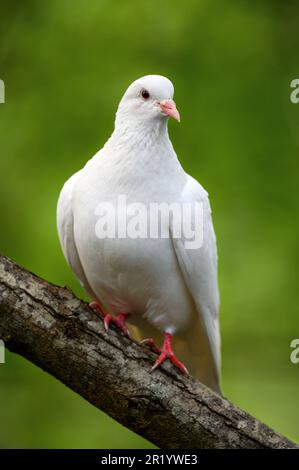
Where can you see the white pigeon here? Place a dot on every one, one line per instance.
(157, 284)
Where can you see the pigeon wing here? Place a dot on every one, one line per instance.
(199, 269)
(65, 226)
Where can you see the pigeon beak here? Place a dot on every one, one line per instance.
(168, 107)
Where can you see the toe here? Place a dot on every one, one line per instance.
(175, 361)
(160, 360)
(152, 345)
(107, 320)
(96, 306)
(124, 329)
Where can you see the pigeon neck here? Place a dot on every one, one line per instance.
(140, 135)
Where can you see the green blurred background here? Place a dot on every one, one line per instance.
(65, 65)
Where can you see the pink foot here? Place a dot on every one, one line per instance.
(165, 353)
(119, 320)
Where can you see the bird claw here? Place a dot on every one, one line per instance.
(175, 361)
(96, 306)
(119, 320)
(164, 353)
(151, 343)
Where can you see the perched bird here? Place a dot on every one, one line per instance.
(156, 283)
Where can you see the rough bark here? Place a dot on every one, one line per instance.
(56, 331)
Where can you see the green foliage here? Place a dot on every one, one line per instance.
(65, 66)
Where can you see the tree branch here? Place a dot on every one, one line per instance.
(59, 333)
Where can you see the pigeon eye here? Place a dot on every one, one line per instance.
(145, 94)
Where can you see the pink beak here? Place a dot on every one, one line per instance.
(168, 107)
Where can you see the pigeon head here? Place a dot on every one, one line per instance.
(149, 101)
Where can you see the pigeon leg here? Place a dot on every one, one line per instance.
(165, 353)
(119, 320)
